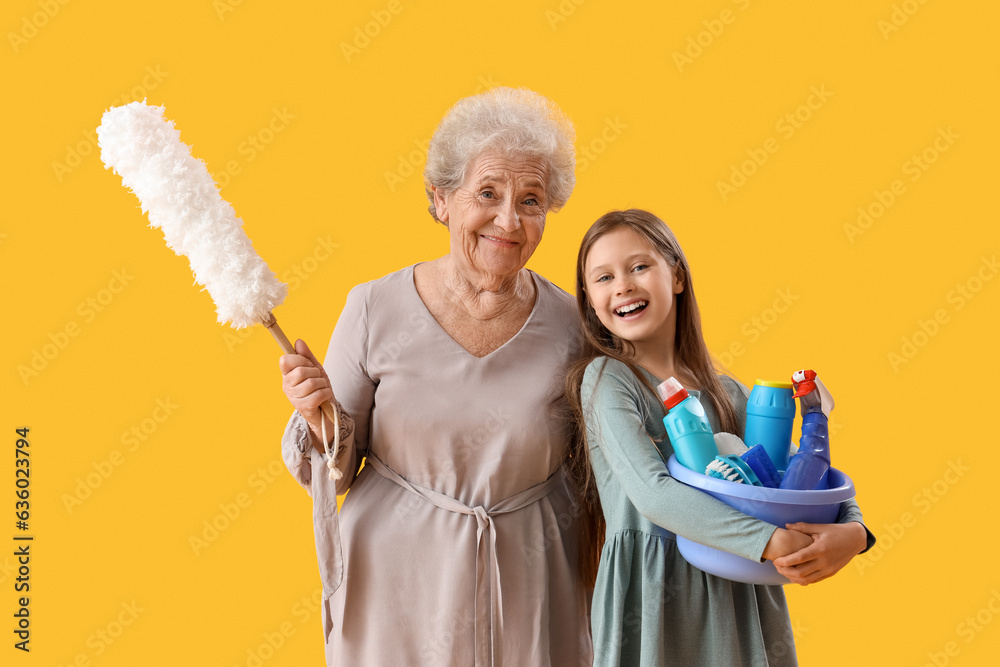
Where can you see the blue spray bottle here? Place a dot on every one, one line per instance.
(808, 469)
(687, 425)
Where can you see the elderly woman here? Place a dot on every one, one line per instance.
(460, 536)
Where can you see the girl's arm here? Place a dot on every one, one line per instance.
(614, 412)
(833, 545)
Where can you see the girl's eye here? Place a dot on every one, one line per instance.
(640, 267)
(603, 279)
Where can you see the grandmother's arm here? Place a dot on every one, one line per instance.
(354, 391)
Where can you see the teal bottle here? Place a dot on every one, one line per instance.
(688, 427)
(770, 415)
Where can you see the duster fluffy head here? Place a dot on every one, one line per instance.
(143, 147)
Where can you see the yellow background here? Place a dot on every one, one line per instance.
(345, 169)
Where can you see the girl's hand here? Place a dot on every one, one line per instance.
(307, 386)
(833, 547)
(784, 543)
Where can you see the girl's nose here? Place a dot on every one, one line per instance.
(624, 285)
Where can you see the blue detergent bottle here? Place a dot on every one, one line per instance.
(770, 416)
(687, 425)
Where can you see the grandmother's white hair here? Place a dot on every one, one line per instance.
(513, 122)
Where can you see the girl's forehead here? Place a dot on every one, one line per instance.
(618, 242)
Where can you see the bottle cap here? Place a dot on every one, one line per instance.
(671, 392)
(776, 385)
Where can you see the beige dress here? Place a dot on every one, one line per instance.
(458, 538)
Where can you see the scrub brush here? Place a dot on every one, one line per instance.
(732, 469)
(752, 467)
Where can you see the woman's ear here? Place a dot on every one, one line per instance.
(440, 205)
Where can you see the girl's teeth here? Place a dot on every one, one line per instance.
(629, 308)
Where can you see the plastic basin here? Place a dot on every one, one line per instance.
(776, 506)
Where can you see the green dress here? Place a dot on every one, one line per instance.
(651, 607)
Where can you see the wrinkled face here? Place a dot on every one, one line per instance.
(631, 287)
(496, 217)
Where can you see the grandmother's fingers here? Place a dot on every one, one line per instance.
(303, 349)
(309, 386)
(303, 373)
(289, 362)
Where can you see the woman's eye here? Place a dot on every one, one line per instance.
(531, 201)
(488, 195)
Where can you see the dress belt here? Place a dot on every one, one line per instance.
(489, 640)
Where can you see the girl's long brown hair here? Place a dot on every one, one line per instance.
(691, 356)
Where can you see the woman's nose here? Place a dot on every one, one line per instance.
(507, 219)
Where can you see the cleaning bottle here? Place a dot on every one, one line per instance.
(808, 469)
(770, 415)
(687, 425)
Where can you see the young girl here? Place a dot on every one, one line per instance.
(650, 607)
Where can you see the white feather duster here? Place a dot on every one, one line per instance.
(175, 188)
(177, 192)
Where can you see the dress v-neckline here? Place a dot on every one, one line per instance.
(534, 309)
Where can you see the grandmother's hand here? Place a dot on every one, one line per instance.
(307, 386)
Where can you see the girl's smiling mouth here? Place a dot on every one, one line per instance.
(631, 308)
